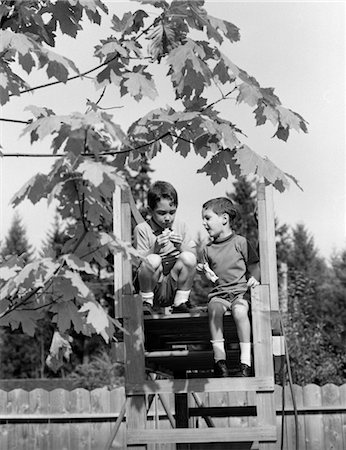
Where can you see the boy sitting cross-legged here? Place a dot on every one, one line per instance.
(166, 274)
(232, 264)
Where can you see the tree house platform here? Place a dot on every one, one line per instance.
(171, 354)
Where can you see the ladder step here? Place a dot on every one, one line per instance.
(223, 411)
(190, 435)
(179, 386)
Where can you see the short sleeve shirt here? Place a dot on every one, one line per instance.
(229, 260)
(145, 237)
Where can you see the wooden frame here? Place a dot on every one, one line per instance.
(138, 388)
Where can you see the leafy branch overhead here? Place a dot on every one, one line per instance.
(180, 36)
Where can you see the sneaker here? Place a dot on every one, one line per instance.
(183, 308)
(244, 370)
(220, 369)
(148, 309)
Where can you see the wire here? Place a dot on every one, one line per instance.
(290, 381)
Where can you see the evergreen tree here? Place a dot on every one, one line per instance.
(20, 354)
(244, 198)
(55, 239)
(16, 242)
(140, 183)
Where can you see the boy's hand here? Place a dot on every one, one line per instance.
(176, 240)
(208, 273)
(162, 239)
(252, 282)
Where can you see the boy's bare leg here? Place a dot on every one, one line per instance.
(148, 276)
(184, 270)
(216, 312)
(241, 319)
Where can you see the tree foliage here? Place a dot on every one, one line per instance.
(94, 149)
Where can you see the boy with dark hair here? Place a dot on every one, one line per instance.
(166, 274)
(233, 265)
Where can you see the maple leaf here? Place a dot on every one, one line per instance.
(76, 263)
(66, 315)
(25, 318)
(101, 175)
(139, 84)
(10, 267)
(189, 73)
(97, 317)
(216, 167)
(230, 31)
(34, 190)
(111, 48)
(162, 38)
(10, 83)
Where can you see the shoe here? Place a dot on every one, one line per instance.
(244, 370)
(183, 308)
(220, 369)
(148, 309)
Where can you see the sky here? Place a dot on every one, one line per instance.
(296, 47)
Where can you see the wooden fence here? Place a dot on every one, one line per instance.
(81, 419)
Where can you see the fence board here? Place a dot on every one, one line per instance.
(313, 422)
(117, 398)
(100, 431)
(80, 432)
(18, 402)
(4, 427)
(39, 404)
(332, 422)
(56, 419)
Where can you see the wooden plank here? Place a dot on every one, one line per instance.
(59, 433)
(100, 431)
(343, 402)
(135, 363)
(80, 432)
(39, 405)
(263, 356)
(201, 385)
(189, 435)
(262, 234)
(18, 402)
(126, 237)
(4, 428)
(313, 423)
(332, 423)
(271, 243)
(117, 399)
(118, 266)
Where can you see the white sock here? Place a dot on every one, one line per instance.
(245, 353)
(181, 297)
(148, 297)
(219, 349)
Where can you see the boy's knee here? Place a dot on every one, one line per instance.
(216, 309)
(152, 263)
(240, 310)
(188, 259)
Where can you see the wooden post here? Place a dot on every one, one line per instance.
(118, 267)
(135, 364)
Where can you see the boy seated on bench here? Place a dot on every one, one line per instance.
(166, 274)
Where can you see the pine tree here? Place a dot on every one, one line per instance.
(140, 182)
(16, 242)
(244, 198)
(55, 240)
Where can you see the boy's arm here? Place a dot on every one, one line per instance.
(255, 275)
(142, 242)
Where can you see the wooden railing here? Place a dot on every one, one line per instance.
(81, 419)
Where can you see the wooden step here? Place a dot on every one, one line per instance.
(178, 386)
(190, 435)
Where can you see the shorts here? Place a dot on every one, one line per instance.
(231, 300)
(165, 290)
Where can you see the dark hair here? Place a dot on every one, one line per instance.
(222, 205)
(159, 190)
